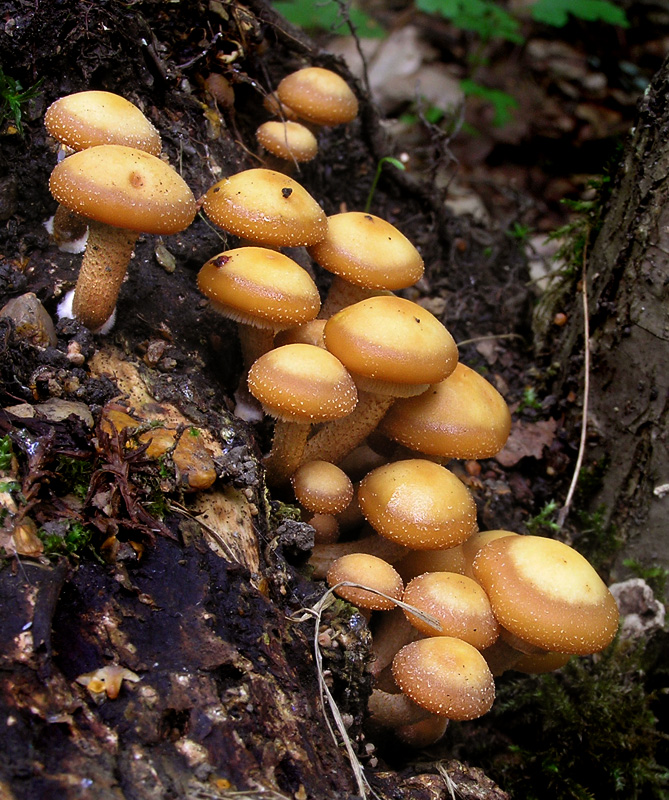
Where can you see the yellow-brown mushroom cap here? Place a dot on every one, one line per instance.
(369, 571)
(302, 382)
(318, 95)
(418, 504)
(288, 140)
(87, 119)
(446, 676)
(471, 547)
(463, 416)
(266, 207)
(547, 594)
(392, 341)
(367, 251)
(322, 487)
(125, 188)
(259, 287)
(458, 602)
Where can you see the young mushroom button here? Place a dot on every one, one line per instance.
(266, 208)
(123, 192)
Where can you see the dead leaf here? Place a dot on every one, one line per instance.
(527, 439)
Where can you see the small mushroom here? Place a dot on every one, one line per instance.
(298, 384)
(289, 141)
(319, 96)
(322, 487)
(370, 572)
(123, 192)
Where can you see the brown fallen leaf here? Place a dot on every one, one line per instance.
(527, 439)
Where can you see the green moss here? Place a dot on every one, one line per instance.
(587, 731)
(6, 452)
(73, 540)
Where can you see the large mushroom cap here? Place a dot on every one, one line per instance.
(388, 339)
(87, 119)
(547, 594)
(266, 207)
(259, 287)
(125, 188)
(302, 382)
(418, 504)
(368, 251)
(463, 416)
(446, 676)
(318, 95)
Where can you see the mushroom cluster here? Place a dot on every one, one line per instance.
(370, 404)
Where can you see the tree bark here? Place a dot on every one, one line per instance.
(628, 292)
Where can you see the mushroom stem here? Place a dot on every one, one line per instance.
(342, 294)
(103, 268)
(394, 710)
(337, 439)
(287, 449)
(68, 227)
(254, 342)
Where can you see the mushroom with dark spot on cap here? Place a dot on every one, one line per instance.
(263, 291)
(123, 192)
(367, 256)
(266, 208)
(86, 119)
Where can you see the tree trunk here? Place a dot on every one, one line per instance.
(628, 293)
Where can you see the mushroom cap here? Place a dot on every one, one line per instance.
(418, 504)
(471, 547)
(125, 188)
(463, 416)
(368, 251)
(446, 676)
(547, 594)
(259, 287)
(322, 487)
(289, 140)
(458, 602)
(302, 383)
(370, 571)
(318, 95)
(391, 345)
(87, 119)
(266, 207)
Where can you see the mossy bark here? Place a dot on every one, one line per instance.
(628, 292)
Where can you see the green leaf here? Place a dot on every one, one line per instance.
(327, 16)
(556, 12)
(484, 17)
(502, 102)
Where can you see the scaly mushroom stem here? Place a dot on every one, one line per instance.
(287, 449)
(254, 342)
(337, 439)
(342, 294)
(394, 710)
(103, 268)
